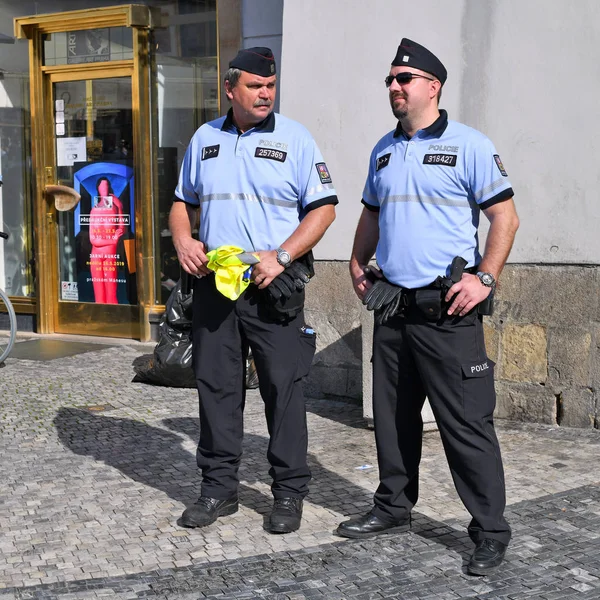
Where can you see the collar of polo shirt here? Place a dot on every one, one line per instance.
(436, 129)
(267, 124)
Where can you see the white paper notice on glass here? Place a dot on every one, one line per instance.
(60, 129)
(59, 105)
(60, 117)
(70, 150)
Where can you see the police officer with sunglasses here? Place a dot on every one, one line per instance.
(428, 182)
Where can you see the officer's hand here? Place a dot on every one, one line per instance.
(267, 269)
(469, 292)
(192, 256)
(363, 277)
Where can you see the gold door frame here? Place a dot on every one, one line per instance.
(141, 19)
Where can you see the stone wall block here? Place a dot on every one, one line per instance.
(333, 349)
(492, 342)
(354, 391)
(525, 402)
(548, 294)
(595, 358)
(570, 355)
(330, 291)
(524, 353)
(577, 408)
(325, 381)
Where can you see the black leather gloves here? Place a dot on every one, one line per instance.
(294, 278)
(383, 297)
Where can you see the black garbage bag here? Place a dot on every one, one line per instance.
(251, 374)
(171, 362)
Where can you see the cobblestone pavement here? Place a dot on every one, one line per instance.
(89, 501)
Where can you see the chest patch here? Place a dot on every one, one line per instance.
(210, 152)
(446, 160)
(500, 165)
(383, 161)
(271, 154)
(323, 172)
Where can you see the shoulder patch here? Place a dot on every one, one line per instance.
(383, 161)
(500, 165)
(323, 172)
(210, 152)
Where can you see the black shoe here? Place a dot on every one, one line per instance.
(285, 516)
(207, 510)
(370, 525)
(487, 556)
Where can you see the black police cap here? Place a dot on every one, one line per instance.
(259, 61)
(411, 54)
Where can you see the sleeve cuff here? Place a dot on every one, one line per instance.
(323, 202)
(501, 197)
(178, 199)
(370, 206)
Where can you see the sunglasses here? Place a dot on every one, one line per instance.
(404, 78)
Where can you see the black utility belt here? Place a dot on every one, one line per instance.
(430, 301)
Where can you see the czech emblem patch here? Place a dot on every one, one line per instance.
(500, 165)
(323, 172)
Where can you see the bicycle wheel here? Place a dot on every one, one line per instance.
(7, 338)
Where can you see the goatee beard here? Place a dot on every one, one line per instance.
(400, 113)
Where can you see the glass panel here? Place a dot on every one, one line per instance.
(187, 93)
(88, 46)
(94, 155)
(15, 187)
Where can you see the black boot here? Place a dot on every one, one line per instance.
(206, 511)
(487, 556)
(370, 525)
(285, 516)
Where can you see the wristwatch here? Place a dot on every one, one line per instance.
(283, 257)
(486, 279)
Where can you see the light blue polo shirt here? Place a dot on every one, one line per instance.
(253, 188)
(429, 191)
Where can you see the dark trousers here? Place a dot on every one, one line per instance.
(222, 330)
(447, 362)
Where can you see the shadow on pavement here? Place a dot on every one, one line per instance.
(345, 413)
(327, 488)
(155, 457)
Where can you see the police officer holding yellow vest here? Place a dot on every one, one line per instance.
(257, 181)
(428, 182)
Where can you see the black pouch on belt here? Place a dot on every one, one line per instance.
(429, 302)
(284, 307)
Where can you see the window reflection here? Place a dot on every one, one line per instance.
(88, 46)
(187, 96)
(14, 192)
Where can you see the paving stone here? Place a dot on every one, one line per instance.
(92, 501)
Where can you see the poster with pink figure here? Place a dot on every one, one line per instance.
(106, 226)
(105, 241)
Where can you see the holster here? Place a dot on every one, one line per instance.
(486, 308)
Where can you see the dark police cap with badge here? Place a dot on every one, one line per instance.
(411, 54)
(259, 61)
